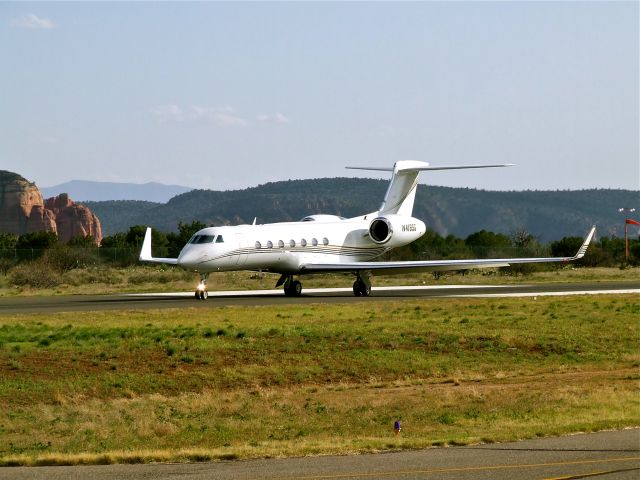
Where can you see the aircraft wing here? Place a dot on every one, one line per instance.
(391, 268)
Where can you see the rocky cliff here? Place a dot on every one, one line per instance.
(23, 210)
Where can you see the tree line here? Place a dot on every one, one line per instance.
(123, 248)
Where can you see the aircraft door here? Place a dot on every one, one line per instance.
(243, 249)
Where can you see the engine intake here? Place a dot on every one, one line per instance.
(380, 230)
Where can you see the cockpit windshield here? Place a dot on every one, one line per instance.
(202, 239)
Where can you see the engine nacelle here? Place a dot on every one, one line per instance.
(395, 230)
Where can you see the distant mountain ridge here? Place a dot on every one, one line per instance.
(86, 190)
(550, 215)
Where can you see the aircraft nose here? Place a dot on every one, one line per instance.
(189, 257)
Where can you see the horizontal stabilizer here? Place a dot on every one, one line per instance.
(411, 165)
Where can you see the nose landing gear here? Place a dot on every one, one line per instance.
(201, 290)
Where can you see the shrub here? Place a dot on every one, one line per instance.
(63, 258)
(85, 276)
(6, 264)
(37, 274)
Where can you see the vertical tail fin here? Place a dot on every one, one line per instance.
(401, 192)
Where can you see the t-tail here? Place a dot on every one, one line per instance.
(401, 192)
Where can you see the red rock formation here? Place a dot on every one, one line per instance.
(22, 210)
(21, 206)
(73, 219)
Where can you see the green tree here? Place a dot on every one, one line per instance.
(185, 231)
(80, 241)
(37, 240)
(488, 244)
(566, 247)
(159, 242)
(615, 247)
(135, 235)
(117, 240)
(115, 248)
(526, 245)
(8, 240)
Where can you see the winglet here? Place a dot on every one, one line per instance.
(145, 252)
(585, 244)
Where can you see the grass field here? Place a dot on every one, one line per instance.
(109, 280)
(188, 385)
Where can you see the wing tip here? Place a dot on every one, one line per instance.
(145, 251)
(585, 245)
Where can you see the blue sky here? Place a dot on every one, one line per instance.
(229, 95)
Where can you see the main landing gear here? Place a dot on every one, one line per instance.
(201, 290)
(362, 286)
(292, 288)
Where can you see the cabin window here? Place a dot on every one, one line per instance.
(269, 244)
(314, 242)
(219, 239)
(258, 245)
(292, 243)
(280, 244)
(203, 239)
(303, 242)
(325, 241)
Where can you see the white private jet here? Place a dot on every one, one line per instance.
(328, 243)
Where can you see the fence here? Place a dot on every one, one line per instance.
(108, 254)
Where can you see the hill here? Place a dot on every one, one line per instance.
(548, 214)
(85, 190)
(119, 215)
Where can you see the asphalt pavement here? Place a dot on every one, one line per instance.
(74, 303)
(602, 455)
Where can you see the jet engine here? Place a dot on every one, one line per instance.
(395, 230)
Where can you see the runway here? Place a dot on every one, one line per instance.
(602, 455)
(73, 303)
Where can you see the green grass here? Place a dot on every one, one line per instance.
(103, 387)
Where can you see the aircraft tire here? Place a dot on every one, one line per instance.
(361, 289)
(293, 289)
